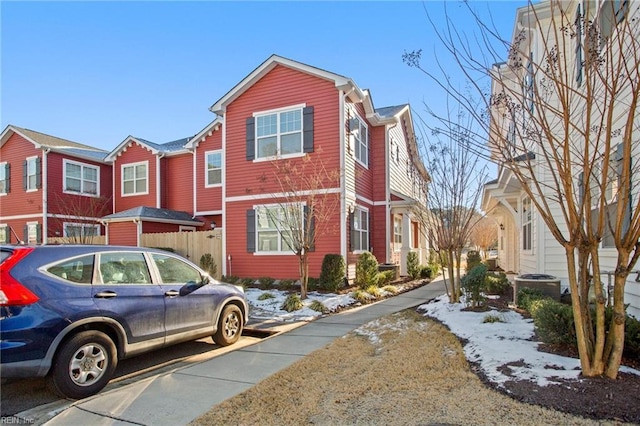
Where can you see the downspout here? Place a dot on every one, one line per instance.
(138, 223)
(223, 199)
(195, 187)
(45, 198)
(158, 183)
(343, 186)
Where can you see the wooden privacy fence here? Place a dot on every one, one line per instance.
(97, 240)
(191, 245)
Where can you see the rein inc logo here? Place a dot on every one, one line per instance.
(15, 420)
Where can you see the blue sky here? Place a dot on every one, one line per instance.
(96, 72)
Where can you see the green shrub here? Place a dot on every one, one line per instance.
(361, 296)
(374, 291)
(429, 271)
(473, 285)
(231, 279)
(266, 282)
(318, 306)
(385, 278)
(312, 283)
(632, 338)
(496, 283)
(286, 284)
(208, 264)
(491, 318)
(473, 259)
(265, 296)
(248, 282)
(366, 270)
(390, 289)
(527, 295)
(332, 272)
(413, 265)
(553, 321)
(292, 303)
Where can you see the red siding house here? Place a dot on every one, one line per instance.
(51, 187)
(285, 110)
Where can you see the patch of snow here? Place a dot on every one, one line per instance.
(270, 308)
(504, 350)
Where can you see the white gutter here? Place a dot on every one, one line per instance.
(224, 198)
(343, 190)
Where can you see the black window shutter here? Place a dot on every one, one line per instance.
(26, 233)
(628, 208)
(38, 234)
(580, 188)
(38, 173)
(368, 147)
(312, 228)
(25, 167)
(7, 176)
(251, 231)
(307, 126)
(251, 138)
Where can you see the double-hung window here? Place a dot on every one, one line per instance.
(279, 133)
(135, 178)
(275, 227)
(5, 175)
(397, 230)
(213, 168)
(80, 178)
(360, 133)
(32, 174)
(4, 233)
(360, 230)
(527, 243)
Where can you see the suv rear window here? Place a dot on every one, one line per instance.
(77, 270)
(4, 254)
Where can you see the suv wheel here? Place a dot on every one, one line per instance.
(83, 365)
(229, 326)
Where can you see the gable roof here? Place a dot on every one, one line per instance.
(152, 214)
(202, 134)
(167, 148)
(64, 146)
(341, 82)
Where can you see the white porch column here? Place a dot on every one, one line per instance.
(406, 243)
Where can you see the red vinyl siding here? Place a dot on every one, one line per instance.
(280, 88)
(123, 233)
(377, 163)
(177, 183)
(155, 227)
(17, 201)
(134, 154)
(208, 199)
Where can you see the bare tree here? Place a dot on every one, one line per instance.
(484, 235)
(304, 207)
(562, 119)
(457, 180)
(83, 214)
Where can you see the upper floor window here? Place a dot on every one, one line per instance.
(527, 243)
(80, 178)
(5, 178)
(611, 13)
(279, 133)
(135, 178)
(360, 230)
(213, 168)
(360, 133)
(32, 174)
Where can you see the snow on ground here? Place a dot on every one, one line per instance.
(504, 350)
(269, 309)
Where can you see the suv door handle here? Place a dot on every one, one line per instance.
(106, 294)
(172, 293)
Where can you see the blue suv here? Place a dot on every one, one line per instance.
(71, 312)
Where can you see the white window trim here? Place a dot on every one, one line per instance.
(5, 228)
(206, 169)
(66, 225)
(2, 167)
(29, 227)
(65, 162)
(133, 194)
(366, 210)
(259, 252)
(524, 223)
(356, 141)
(278, 156)
(29, 159)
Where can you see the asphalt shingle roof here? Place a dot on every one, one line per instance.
(144, 212)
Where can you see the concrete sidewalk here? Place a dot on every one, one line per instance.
(184, 394)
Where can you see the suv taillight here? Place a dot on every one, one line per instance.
(12, 293)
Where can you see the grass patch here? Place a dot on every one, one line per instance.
(265, 296)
